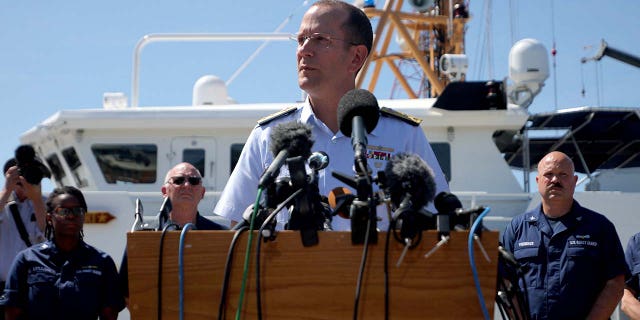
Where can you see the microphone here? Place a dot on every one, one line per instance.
(465, 212)
(340, 200)
(138, 216)
(289, 139)
(261, 216)
(407, 174)
(446, 204)
(318, 160)
(410, 185)
(358, 114)
(358, 111)
(508, 257)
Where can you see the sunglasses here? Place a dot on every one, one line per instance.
(64, 212)
(194, 181)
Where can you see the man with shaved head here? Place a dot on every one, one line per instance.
(571, 257)
(183, 187)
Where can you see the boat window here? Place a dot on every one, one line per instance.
(127, 163)
(443, 153)
(56, 168)
(74, 164)
(236, 149)
(195, 157)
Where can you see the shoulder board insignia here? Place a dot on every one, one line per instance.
(276, 115)
(414, 121)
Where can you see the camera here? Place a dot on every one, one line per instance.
(32, 169)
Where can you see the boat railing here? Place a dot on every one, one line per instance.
(191, 37)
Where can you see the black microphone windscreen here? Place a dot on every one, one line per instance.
(358, 102)
(447, 203)
(293, 136)
(408, 173)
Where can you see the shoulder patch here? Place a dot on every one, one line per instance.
(401, 116)
(276, 115)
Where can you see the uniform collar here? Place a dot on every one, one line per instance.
(569, 220)
(51, 245)
(308, 117)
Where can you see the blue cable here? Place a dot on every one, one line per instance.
(472, 260)
(185, 229)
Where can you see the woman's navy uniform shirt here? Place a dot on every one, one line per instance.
(50, 284)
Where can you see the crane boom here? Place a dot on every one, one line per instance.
(606, 50)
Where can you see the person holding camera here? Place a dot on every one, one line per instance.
(23, 217)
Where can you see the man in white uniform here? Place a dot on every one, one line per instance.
(334, 41)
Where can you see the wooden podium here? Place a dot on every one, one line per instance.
(316, 282)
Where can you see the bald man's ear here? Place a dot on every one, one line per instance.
(164, 191)
(202, 195)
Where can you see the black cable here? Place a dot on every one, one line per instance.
(507, 303)
(164, 231)
(258, 246)
(227, 271)
(516, 296)
(500, 301)
(363, 262)
(183, 235)
(386, 272)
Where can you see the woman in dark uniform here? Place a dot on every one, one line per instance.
(64, 277)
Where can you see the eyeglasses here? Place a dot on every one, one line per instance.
(318, 39)
(65, 212)
(178, 181)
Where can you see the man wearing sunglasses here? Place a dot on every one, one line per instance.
(333, 43)
(183, 188)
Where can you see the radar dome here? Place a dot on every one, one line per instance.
(210, 90)
(528, 62)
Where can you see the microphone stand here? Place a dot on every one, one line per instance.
(163, 213)
(444, 229)
(363, 208)
(138, 217)
(406, 217)
(306, 212)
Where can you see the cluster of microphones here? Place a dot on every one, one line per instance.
(406, 184)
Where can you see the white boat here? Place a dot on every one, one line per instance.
(118, 153)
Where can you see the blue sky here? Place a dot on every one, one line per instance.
(65, 54)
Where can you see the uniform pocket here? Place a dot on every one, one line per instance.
(42, 288)
(529, 260)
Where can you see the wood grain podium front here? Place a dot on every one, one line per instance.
(316, 282)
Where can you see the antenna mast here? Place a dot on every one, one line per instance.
(424, 36)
